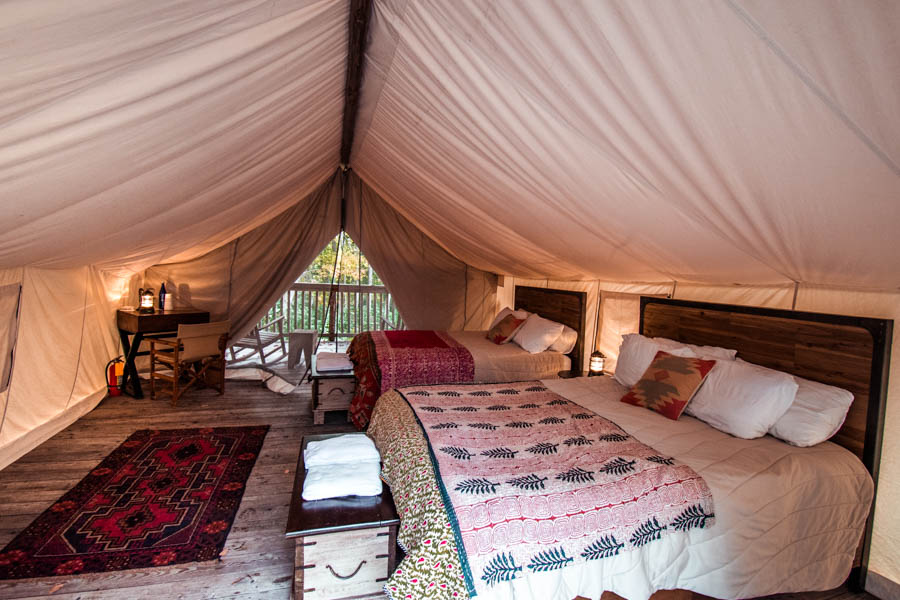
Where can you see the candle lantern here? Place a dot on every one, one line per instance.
(597, 363)
(146, 300)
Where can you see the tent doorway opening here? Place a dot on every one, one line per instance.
(338, 295)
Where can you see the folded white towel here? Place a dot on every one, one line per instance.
(333, 481)
(341, 450)
(333, 361)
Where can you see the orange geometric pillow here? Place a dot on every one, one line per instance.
(503, 331)
(669, 383)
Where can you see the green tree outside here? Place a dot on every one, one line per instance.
(353, 268)
(355, 312)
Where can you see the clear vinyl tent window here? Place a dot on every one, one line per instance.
(9, 322)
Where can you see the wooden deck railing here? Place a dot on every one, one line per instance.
(356, 308)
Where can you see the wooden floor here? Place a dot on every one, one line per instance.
(258, 561)
(277, 363)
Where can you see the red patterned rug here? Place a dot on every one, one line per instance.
(162, 497)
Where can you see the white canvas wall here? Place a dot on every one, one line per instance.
(133, 134)
(885, 556)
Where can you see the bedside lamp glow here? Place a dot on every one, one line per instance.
(597, 362)
(146, 300)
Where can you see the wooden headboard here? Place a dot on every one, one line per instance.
(563, 306)
(849, 352)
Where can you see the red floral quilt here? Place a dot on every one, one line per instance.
(383, 360)
(521, 481)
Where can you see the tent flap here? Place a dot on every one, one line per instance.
(242, 279)
(429, 285)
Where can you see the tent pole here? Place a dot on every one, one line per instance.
(360, 13)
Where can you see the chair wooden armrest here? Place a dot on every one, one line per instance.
(279, 322)
(172, 342)
(261, 336)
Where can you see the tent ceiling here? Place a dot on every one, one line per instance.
(738, 141)
(132, 133)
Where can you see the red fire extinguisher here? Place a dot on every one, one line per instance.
(115, 369)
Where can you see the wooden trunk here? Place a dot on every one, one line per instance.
(331, 394)
(344, 564)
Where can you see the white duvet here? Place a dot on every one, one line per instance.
(787, 519)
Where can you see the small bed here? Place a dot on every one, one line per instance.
(383, 360)
(750, 518)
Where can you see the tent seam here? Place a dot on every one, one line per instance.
(812, 85)
(234, 249)
(81, 338)
(12, 365)
(387, 72)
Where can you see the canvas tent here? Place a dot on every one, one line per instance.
(739, 151)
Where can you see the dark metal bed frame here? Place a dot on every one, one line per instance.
(849, 352)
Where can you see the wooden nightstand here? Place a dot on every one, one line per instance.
(571, 374)
(331, 390)
(345, 547)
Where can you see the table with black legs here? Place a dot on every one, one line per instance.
(156, 324)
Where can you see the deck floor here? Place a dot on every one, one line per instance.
(258, 562)
(277, 363)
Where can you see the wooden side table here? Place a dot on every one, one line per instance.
(132, 322)
(571, 374)
(576, 373)
(331, 390)
(345, 547)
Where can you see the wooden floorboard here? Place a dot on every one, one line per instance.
(258, 561)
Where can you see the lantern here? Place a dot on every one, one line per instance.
(597, 362)
(146, 300)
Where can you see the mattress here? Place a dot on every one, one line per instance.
(383, 360)
(787, 519)
(509, 362)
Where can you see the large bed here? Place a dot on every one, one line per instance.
(383, 360)
(751, 517)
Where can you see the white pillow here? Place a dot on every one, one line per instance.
(519, 314)
(743, 399)
(635, 355)
(817, 413)
(565, 343)
(707, 352)
(537, 333)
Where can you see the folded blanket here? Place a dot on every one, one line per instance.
(358, 479)
(333, 361)
(341, 450)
